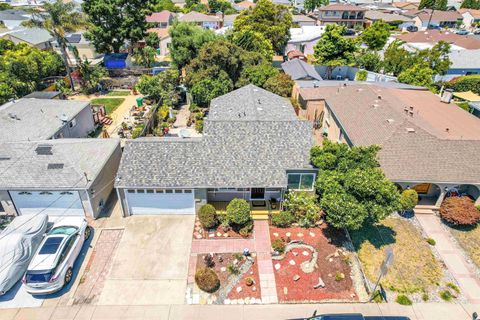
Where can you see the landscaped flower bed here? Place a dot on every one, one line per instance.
(217, 232)
(232, 270)
(315, 269)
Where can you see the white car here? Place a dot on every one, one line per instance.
(52, 266)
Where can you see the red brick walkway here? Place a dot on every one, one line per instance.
(221, 245)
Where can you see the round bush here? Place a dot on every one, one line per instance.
(238, 212)
(283, 219)
(459, 211)
(278, 245)
(246, 230)
(207, 280)
(409, 199)
(207, 216)
(403, 300)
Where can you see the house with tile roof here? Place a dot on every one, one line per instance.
(162, 19)
(426, 144)
(427, 39)
(470, 16)
(253, 147)
(437, 18)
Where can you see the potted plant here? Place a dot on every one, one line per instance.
(273, 203)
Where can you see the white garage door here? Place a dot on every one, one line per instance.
(53, 203)
(160, 201)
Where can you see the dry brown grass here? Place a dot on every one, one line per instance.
(469, 239)
(414, 268)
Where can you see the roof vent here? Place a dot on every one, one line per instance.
(63, 117)
(55, 166)
(259, 102)
(44, 149)
(379, 97)
(375, 106)
(410, 130)
(390, 120)
(316, 84)
(447, 130)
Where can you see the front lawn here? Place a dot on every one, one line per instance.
(469, 239)
(110, 103)
(118, 93)
(415, 269)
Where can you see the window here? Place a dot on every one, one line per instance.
(187, 191)
(150, 191)
(131, 191)
(140, 191)
(178, 191)
(159, 191)
(45, 192)
(169, 191)
(301, 181)
(25, 193)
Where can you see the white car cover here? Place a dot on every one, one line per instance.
(18, 243)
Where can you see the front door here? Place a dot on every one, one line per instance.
(257, 194)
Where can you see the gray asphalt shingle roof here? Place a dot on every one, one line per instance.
(33, 36)
(36, 119)
(300, 70)
(245, 153)
(22, 168)
(465, 59)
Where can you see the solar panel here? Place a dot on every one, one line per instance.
(44, 149)
(55, 166)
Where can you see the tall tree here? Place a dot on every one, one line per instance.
(470, 4)
(187, 39)
(162, 87)
(369, 60)
(253, 41)
(59, 18)
(376, 35)
(114, 22)
(311, 5)
(433, 4)
(333, 49)
(396, 58)
(271, 20)
(417, 75)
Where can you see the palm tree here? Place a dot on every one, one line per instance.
(59, 18)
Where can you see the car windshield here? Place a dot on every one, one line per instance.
(38, 276)
(67, 230)
(51, 245)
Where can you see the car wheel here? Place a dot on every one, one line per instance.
(88, 232)
(68, 276)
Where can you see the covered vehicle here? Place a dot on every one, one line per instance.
(52, 266)
(18, 243)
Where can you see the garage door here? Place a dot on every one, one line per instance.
(160, 201)
(50, 202)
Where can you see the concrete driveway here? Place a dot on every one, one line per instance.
(150, 265)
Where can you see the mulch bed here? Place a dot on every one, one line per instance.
(331, 260)
(248, 291)
(200, 233)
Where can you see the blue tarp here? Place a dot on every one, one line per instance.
(115, 60)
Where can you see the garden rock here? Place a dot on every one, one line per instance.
(254, 288)
(288, 234)
(312, 234)
(300, 235)
(296, 277)
(295, 253)
(223, 269)
(291, 262)
(225, 235)
(277, 266)
(239, 289)
(219, 234)
(320, 284)
(285, 290)
(275, 234)
(211, 235)
(305, 253)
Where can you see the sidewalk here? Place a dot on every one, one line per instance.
(451, 254)
(422, 311)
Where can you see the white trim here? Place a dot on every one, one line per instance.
(301, 174)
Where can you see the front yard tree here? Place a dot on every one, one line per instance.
(58, 18)
(470, 4)
(114, 22)
(187, 39)
(333, 49)
(352, 188)
(369, 60)
(271, 20)
(376, 35)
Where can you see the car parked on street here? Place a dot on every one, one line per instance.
(353, 316)
(462, 32)
(18, 243)
(52, 266)
(412, 28)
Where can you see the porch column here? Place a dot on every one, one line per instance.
(440, 198)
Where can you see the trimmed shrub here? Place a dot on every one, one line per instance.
(409, 199)
(403, 300)
(361, 75)
(283, 219)
(208, 216)
(238, 212)
(446, 295)
(459, 211)
(247, 229)
(207, 280)
(466, 83)
(303, 206)
(278, 245)
(431, 241)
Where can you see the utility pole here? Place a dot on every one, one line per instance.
(431, 13)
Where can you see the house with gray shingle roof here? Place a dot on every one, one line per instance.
(30, 119)
(298, 69)
(36, 37)
(253, 147)
(58, 177)
(426, 144)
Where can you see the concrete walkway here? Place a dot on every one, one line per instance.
(422, 311)
(451, 254)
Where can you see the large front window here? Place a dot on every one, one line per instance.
(301, 181)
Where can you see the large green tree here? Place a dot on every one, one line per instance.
(115, 22)
(271, 20)
(433, 4)
(376, 35)
(187, 39)
(58, 18)
(162, 87)
(417, 75)
(280, 84)
(219, 6)
(353, 190)
(255, 41)
(333, 49)
(470, 4)
(311, 5)
(369, 60)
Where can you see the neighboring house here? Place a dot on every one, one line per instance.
(406, 5)
(427, 39)
(426, 144)
(343, 14)
(253, 147)
(39, 38)
(62, 177)
(85, 48)
(298, 69)
(42, 119)
(372, 16)
(13, 18)
(164, 40)
(464, 63)
(161, 20)
(304, 39)
(203, 20)
(45, 95)
(282, 2)
(243, 5)
(470, 17)
(303, 20)
(228, 20)
(444, 19)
